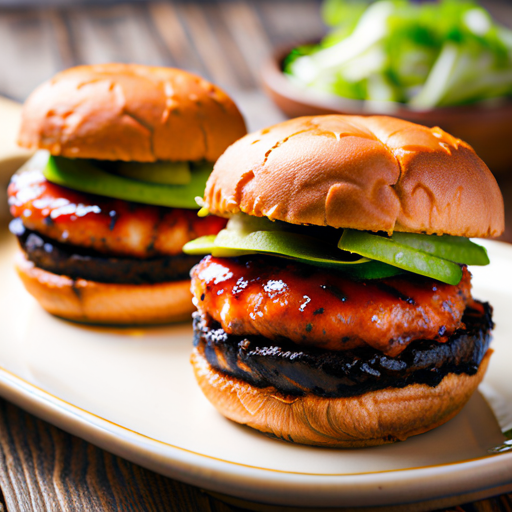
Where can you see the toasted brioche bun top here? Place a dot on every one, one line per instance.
(367, 173)
(130, 112)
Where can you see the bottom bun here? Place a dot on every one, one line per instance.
(103, 303)
(374, 418)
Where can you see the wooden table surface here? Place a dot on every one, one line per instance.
(42, 467)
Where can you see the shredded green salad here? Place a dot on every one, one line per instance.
(422, 54)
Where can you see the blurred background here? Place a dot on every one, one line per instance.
(231, 43)
(225, 41)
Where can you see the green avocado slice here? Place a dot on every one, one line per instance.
(295, 246)
(206, 245)
(400, 255)
(453, 248)
(84, 176)
(163, 173)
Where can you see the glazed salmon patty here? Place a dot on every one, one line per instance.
(316, 307)
(109, 226)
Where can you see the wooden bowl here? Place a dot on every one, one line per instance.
(487, 127)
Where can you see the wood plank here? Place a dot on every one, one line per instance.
(169, 28)
(119, 33)
(205, 40)
(61, 41)
(248, 34)
(289, 21)
(43, 468)
(27, 55)
(222, 26)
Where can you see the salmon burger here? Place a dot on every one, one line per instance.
(335, 308)
(106, 204)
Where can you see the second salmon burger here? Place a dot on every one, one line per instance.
(105, 206)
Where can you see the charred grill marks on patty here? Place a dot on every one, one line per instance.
(334, 291)
(325, 373)
(395, 293)
(113, 219)
(76, 262)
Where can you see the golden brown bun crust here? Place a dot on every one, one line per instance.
(100, 303)
(130, 112)
(374, 418)
(368, 173)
